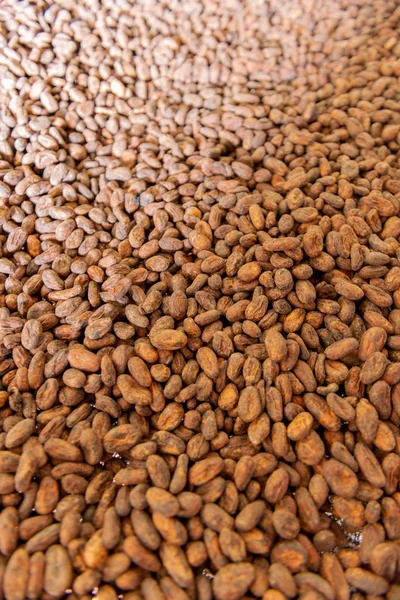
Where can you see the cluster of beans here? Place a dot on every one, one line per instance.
(199, 300)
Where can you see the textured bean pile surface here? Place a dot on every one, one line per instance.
(199, 299)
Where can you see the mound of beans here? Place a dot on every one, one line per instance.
(199, 300)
